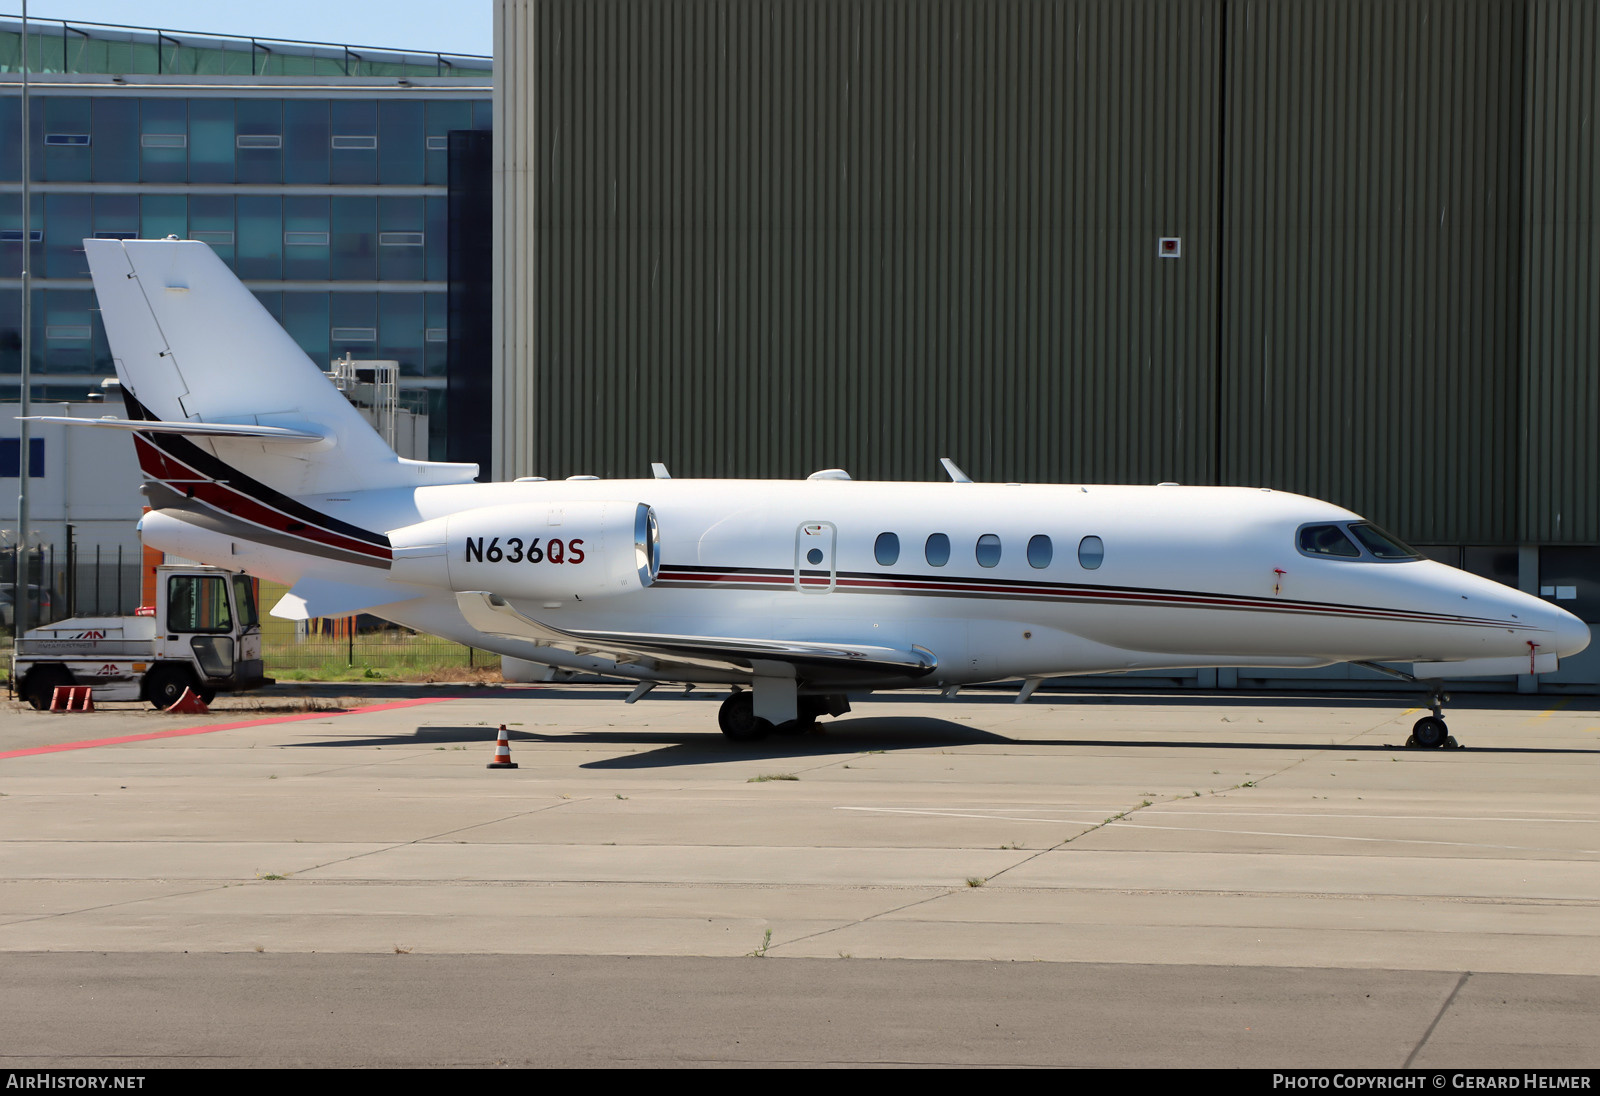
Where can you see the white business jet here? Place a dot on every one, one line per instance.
(795, 593)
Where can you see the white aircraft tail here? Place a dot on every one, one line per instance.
(217, 390)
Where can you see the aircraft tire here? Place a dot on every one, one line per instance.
(1430, 733)
(738, 719)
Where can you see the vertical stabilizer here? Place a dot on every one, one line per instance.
(192, 344)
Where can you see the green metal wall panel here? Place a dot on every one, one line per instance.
(773, 237)
(1561, 278)
(1373, 223)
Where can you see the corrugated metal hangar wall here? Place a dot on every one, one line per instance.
(762, 237)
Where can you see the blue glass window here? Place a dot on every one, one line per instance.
(164, 140)
(401, 239)
(442, 117)
(115, 148)
(937, 550)
(351, 158)
(305, 141)
(353, 325)
(305, 238)
(67, 220)
(163, 215)
(402, 150)
(258, 242)
(211, 221)
(400, 331)
(211, 140)
(886, 550)
(355, 239)
(116, 216)
(436, 334)
(256, 158)
(67, 147)
(305, 318)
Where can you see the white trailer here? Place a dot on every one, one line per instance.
(203, 633)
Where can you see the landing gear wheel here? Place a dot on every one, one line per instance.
(43, 683)
(165, 684)
(739, 721)
(804, 723)
(1430, 733)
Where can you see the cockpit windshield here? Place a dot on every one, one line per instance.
(1327, 540)
(1354, 540)
(1382, 544)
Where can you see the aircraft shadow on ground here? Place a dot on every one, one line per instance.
(845, 737)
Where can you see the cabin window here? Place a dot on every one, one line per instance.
(988, 550)
(1327, 540)
(1040, 551)
(887, 549)
(814, 556)
(1091, 552)
(937, 550)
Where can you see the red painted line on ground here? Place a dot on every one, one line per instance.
(182, 731)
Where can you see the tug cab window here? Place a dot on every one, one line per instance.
(198, 603)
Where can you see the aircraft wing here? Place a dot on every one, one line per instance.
(661, 654)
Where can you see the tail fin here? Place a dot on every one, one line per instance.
(192, 344)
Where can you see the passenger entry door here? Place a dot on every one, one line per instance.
(814, 571)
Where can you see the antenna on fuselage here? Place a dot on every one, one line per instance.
(659, 470)
(956, 474)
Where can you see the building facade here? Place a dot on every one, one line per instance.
(319, 173)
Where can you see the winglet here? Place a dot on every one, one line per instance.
(956, 474)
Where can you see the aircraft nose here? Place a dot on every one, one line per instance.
(1568, 634)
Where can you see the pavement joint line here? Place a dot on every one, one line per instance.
(431, 837)
(1426, 1035)
(212, 728)
(942, 892)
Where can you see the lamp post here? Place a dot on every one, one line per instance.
(20, 602)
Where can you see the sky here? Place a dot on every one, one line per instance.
(445, 26)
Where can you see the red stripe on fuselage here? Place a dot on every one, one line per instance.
(180, 477)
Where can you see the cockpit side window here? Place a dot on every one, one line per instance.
(1327, 540)
(1382, 544)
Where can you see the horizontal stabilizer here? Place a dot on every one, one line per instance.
(668, 653)
(191, 429)
(316, 597)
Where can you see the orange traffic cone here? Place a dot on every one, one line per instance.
(188, 704)
(502, 753)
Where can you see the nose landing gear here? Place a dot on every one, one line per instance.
(1430, 732)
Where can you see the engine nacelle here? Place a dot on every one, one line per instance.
(550, 552)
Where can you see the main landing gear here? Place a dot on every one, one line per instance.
(739, 721)
(1430, 732)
